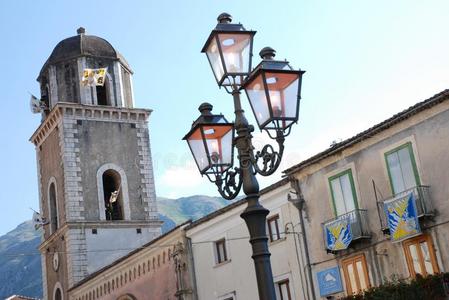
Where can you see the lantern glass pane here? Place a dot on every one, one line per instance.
(213, 54)
(236, 51)
(219, 145)
(283, 93)
(199, 152)
(258, 99)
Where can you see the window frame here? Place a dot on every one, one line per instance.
(432, 253)
(276, 219)
(408, 145)
(57, 287)
(279, 287)
(353, 261)
(353, 189)
(218, 259)
(53, 228)
(228, 296)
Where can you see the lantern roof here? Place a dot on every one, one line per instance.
(224, 25)
(269, 64)
(206, 118)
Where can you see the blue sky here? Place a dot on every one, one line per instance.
(365, 60)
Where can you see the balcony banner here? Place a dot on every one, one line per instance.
(402, 217)
(338, 234)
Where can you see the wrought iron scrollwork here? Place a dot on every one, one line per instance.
(228, 183)
(267, 160)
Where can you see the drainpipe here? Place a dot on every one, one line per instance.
(298, 202)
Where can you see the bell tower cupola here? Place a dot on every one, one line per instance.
(95, 173)
(61, 77)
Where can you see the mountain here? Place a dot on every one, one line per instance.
(193, 207)
(20, 274)
(20, 261)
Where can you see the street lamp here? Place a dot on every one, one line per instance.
(273, 89)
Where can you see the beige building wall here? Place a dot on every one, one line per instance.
(160, 270)
(427, 130)
(235, 278)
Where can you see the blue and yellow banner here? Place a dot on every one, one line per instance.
(402, 217)
(338, 234)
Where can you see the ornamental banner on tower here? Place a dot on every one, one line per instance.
(402, 217)
(94, 77)
(338, 234)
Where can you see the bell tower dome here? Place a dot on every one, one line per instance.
(60, 77)
(95, 173)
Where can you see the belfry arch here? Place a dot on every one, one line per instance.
(112, 178)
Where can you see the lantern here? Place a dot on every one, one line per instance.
(273, 90)
(210, 141)
(229, 50)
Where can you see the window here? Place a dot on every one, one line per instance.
(112, 189)
(228, 296)
(343, 192)
(273, 228)
(420, 256)
(127, 297)
(112, 195)
(356, 274)
(53, 206)
(220, 251)
(402, 168)
(284, 290)
(58, 294)
(102, 93)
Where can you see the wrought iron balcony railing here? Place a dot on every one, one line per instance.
(422, 200)
(358, 224)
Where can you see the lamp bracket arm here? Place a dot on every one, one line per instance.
(229, 183)
(267, 160)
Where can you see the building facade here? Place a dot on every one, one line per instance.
(159, 270)
(376, 205)
(222, 253)
(95, 176)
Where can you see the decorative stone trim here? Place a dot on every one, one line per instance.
(76, 255)
(73, 188)
(46, 127)
(44, 276)
(148, 191)
(87, 112)
(58, 286)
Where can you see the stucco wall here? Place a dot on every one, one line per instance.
(237, 275)
(428, 132)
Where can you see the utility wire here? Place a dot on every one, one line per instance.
(12, 255)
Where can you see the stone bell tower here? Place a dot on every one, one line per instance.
(95, 173)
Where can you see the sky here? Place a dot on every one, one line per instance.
(364, 61)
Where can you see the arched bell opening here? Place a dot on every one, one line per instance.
(113, 199)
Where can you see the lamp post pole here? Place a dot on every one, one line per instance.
(254, 214)
(273, 89)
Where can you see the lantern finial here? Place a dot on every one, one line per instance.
(267, 53)
(205, 108)
(224, 18)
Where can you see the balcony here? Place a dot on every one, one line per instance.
(358, 221)
(422, 200)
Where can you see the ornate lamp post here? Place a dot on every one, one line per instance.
(273, 89)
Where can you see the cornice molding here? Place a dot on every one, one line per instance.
(87, 112)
